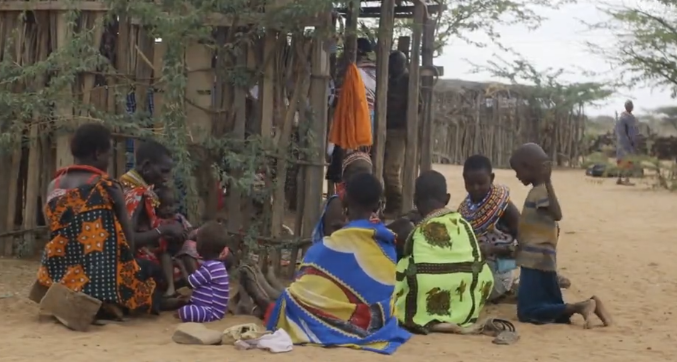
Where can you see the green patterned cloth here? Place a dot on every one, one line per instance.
(443, 276)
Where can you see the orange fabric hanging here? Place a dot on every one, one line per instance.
(351, 128)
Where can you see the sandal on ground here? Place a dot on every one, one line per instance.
(502, 330)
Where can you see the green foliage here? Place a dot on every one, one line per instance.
(31, 87)
(645, 42)
(473, 21)
(545, 88)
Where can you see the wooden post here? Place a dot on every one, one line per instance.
(118, 86)
(35, 150)
(319, 62)
(266, 102)
(476, 136)
(404, 45)
(234, 202)
(427, 82)
(385, 43)
(350, 43)
(64, 108)
(410, 168)
(199, 85)
(159, 92)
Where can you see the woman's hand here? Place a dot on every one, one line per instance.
(487, 249)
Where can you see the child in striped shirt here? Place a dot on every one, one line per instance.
(209, 301)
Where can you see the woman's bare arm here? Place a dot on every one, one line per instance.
(118, 198)
(334, 217)
(511, 219)
(143, 238)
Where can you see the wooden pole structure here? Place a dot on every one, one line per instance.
(385, 42)
(410, 168)
(319, 79)
(350, 42)
(64, 108)
(404, 44)
(427, 83)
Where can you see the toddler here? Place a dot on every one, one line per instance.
(210, 283)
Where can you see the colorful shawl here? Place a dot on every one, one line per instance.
(88, 251)
(342, 295)
(136, 191)
(442, 276)
(484, 215)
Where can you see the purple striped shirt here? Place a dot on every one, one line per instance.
(210, 287)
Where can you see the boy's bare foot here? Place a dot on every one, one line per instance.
(586, 309)
(563, 282)
(601, 312)
(171, 292)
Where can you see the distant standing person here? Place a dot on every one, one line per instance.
(396, 131)
(626, 143)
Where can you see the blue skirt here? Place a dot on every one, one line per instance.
(539, 298)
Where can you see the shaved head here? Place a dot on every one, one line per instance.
(527, 161)
(530, 151)
(629, 106)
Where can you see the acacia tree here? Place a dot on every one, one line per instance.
(645, 43)
(470, 20)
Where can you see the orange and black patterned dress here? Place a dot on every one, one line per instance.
(88, 251)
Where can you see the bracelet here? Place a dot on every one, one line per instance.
(158, 231)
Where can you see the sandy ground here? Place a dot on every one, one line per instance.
(615, 244)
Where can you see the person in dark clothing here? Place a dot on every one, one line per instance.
(396, 131)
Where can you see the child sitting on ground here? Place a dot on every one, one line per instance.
(210, 284)
(539, 298)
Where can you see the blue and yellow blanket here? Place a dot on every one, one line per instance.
(343, 292)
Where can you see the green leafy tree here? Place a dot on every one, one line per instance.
(645, 43)
(470, 20)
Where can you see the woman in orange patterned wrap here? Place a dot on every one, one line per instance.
(91, 243)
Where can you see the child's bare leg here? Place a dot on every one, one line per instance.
(191, 264)
(182, 266)
(168, 271)
(585, 308)
(601, 312)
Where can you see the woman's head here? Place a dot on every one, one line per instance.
(167, 206)
(212, 238)
(355, 163)
(363, 196)
(478, 177)
(430, 192)
(397, 63)
(91, 145)
(154, 163)
(364, 47)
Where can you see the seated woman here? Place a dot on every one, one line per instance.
(91, 240)
(449, 284)
(333, 216)
(494, 219)
(342, 295)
